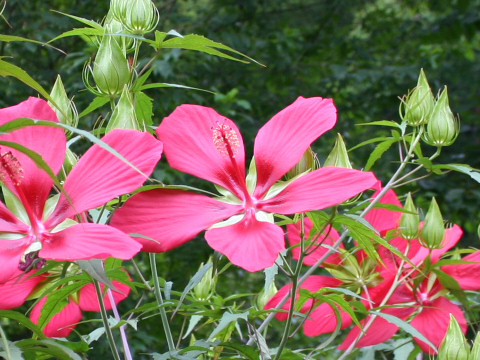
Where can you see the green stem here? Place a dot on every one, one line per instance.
(158, 295)
(5, 344)
(103, 313)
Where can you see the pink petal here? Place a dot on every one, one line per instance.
(318, 190)
(323, 320)
(432, 322)
(253, 245)
(87, 298)
(10, 253)
(9, 223)
(329, 237)
(451, 237)
(169, 217)
(86, 241)
(188, 139)
(467, 275)
(100, 176)
(281, 142)
(16, 290)
(49, 142)
(312, 284)
(384, 220)
(62, 323)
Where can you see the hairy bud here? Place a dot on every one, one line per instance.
(443, 128)
(417, 106)
(454, 345)
(409, 222)
(431, 235)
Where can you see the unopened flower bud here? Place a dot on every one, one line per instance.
(338, 156)
(416, 108)
(123, 116)
(64, 107)
(409, 222)
(475, 351)
(110, 68)
(113, 26)
(138, 16)
(308, 162)
(443, 127)
(263, 296)
(454, 345)
(431, 235)
(206, 287)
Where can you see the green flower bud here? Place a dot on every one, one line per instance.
(431, 235)
(443, 127)
(110, 68)
(338, 156)
(64, 107)
(409, 222)
(417, 106)
(123, 116)
(454, 345)
(308, 162)
(263, 296)
(113, 26)
(138, 16)
(475, 352)
(206, 287)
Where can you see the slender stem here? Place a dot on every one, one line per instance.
(158, 295)
(5, 344)
(103, 313)
(123, 335)
(135, 54)
(335, 246)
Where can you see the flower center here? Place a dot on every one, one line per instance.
(225, 140)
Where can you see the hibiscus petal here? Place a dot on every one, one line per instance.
(86, 241)
(384, 220)
(467, 275)
(49, 142)
(10, 253)
(60, 324)
(329, 237)
(323, 320)
(432, 322)
(88, 301)
(191, 146)
(281, 142)
(16, 290)
(312, 284)
(9, 223)
(169, 217)
(100, 176)
(319, 189)
(251, 244)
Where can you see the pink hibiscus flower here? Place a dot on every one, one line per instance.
(33, 234)
(199, 141)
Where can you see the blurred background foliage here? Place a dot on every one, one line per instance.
(363, 54)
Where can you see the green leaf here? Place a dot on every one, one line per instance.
(194, 319)
(245, 351)
(162, 85)
(226, 319)
(94, 105)
(23, 320)
(404, 326)
(465, 169)
(389, 123)
(12, 351)
(10, 38)
(90, 23)
(95, 269)
(193, 282)
(143, 108)
(79, 32)
(369, 141)
(378, 152)
(50, 347)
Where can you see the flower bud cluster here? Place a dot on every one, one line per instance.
(139, 17)
(419, 108)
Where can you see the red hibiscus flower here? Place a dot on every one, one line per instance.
(31, 233)
(199, 141)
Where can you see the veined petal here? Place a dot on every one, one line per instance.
(86, 241)
(467, 275)
(323, 320)
(9, 223)
(16, 290)
(199, 141)
(318, 190)
(87, 297)
(432, 322)
(168, 218)
(312, 284)
(316, 248)
(384, 220)
(281, 142)
(251, 244)
(62, 323)
(10, 254)
(49, 142)
(100, 176)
